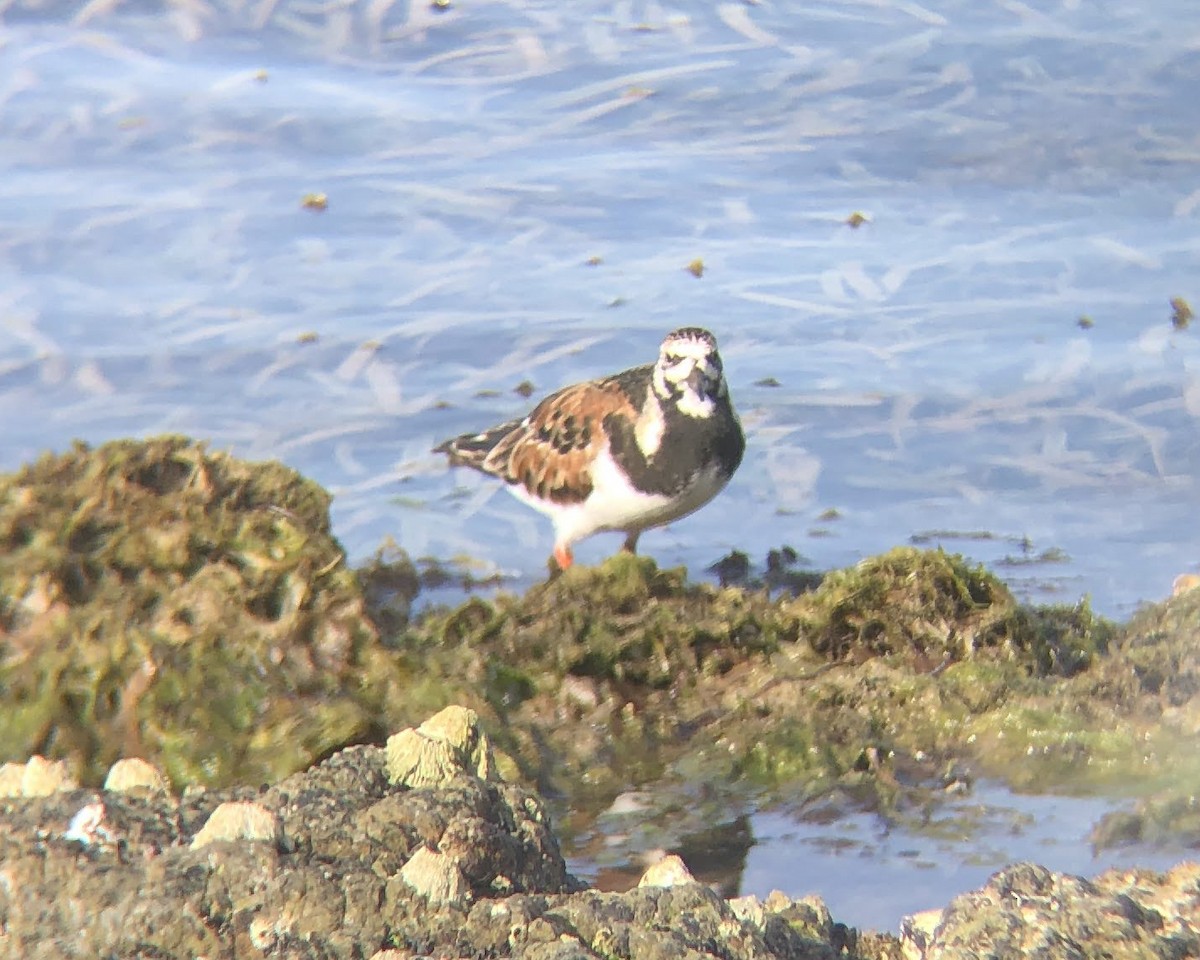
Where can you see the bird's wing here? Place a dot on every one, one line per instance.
(550, 453)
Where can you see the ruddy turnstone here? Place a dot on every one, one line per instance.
(628, 452)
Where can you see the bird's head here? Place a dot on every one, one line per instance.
(688, 373)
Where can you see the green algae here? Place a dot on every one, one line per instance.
(625, 673)
(162, 600)
(580, 672)
(933, 609)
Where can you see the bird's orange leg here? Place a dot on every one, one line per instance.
(563, 557)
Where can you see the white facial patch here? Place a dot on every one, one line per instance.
(678, 370)
(688, 401)
(691, 404)
(650, 426)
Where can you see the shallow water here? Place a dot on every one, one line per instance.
(872, 876)
(872, 871)
(1020, 167)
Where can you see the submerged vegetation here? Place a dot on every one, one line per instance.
(161, 600)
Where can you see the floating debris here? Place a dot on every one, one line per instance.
(696, 268)
(1085, 322)
(856, 220)
(1029, 558)
(1181, 313)
(315, 201)
(931, 536)
(732, 568)
(767, 382)
(308, 336)
(781, 559)
(524, 389)
(593, 261)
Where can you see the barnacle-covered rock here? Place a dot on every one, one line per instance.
(1026, 910)
(331, 862)
(670, 871)
(436, 877)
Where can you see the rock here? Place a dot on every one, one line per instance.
(1026, 910)
(87, 827)
(917, 931)
(127, 881)
(748, 909)
(470, 869)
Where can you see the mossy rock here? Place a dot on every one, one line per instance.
(930, 609)
(160, 600)
(619, 673)
(623, 621)
(587, 676)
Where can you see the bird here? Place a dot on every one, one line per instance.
(623, 453)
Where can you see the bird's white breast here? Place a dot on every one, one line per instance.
(615, 504)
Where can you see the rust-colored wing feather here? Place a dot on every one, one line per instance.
(550, 452)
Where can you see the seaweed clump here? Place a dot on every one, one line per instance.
(591, 679)
(930, 609)
(160, 600)
(625, 673)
